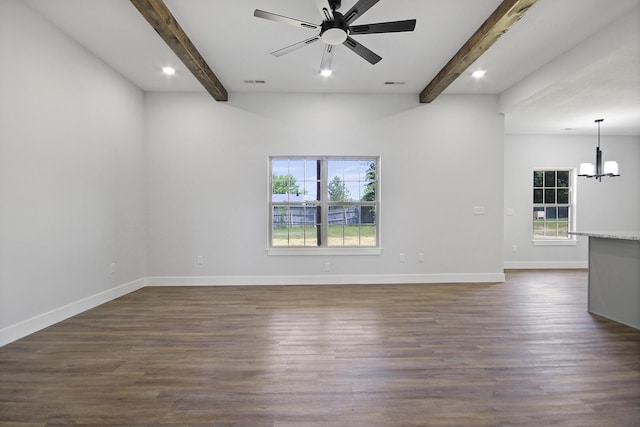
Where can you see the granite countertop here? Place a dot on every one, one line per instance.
(621, 235)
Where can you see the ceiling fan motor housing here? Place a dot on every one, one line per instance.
(336, 31)
(335, 4)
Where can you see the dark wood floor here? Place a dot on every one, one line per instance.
(523, 352)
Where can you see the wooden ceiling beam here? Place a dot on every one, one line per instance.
(162, 20)
(508, 13)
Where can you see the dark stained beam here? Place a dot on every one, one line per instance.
(508, 13)
(165, 24)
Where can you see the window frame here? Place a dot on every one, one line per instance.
(324, 203)
(571, 205)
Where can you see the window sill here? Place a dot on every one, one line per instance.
(322, 251)
(550, 242)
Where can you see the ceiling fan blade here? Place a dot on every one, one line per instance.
(325, 10)
(358, 10)
(384, 27)
(284, 20)
(327, 57)
(359, 49)
(295, 46)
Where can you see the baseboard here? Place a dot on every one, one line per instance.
(29, 326)
(545, 265)
(325, 279)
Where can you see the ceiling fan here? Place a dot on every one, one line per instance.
(336, 29)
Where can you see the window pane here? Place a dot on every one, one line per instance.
(311, 235)
(563, 230)
(280, 226)
(538, 223)
(551, 214)
(285, 184)
(563, 223)
(279, 185)
(369, 181)
(550, 230)
(337, 223)
(563, 179)
(550, 178)
(563, 214)
(549, 196)
(279, 167)
(538, 213)
(309, 191)
(297, 170)
(563, 195)
(537, 196)
(296, 235)
(351, 226)
(537, 178)
(338, 191)
(294, 226)
(341, 215)
(310, 187)
(368, 226)
(368, 215)
(368, 235)
(350, 180)
(341, 175)
(311, 170)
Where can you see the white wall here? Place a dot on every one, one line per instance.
(71, 176)
(610, 205)
(207, 192)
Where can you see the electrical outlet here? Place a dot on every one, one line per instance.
(402, 259)
(478, 210)
(112, 268)
(326, 267)
(514, 248)
(199, 260)
(420, 257)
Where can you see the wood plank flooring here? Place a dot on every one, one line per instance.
(523, 352)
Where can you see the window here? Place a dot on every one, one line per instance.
(325, 202)
(552, 204)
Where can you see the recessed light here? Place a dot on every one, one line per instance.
(169, 71)
(478, 73)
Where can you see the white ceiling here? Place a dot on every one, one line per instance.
(539, 93)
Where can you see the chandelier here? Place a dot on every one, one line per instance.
(596, 171)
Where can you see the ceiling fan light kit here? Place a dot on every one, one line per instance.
(336, 29)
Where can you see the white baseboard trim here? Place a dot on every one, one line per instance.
(325, 279)
(29, 326)
(545, 265)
